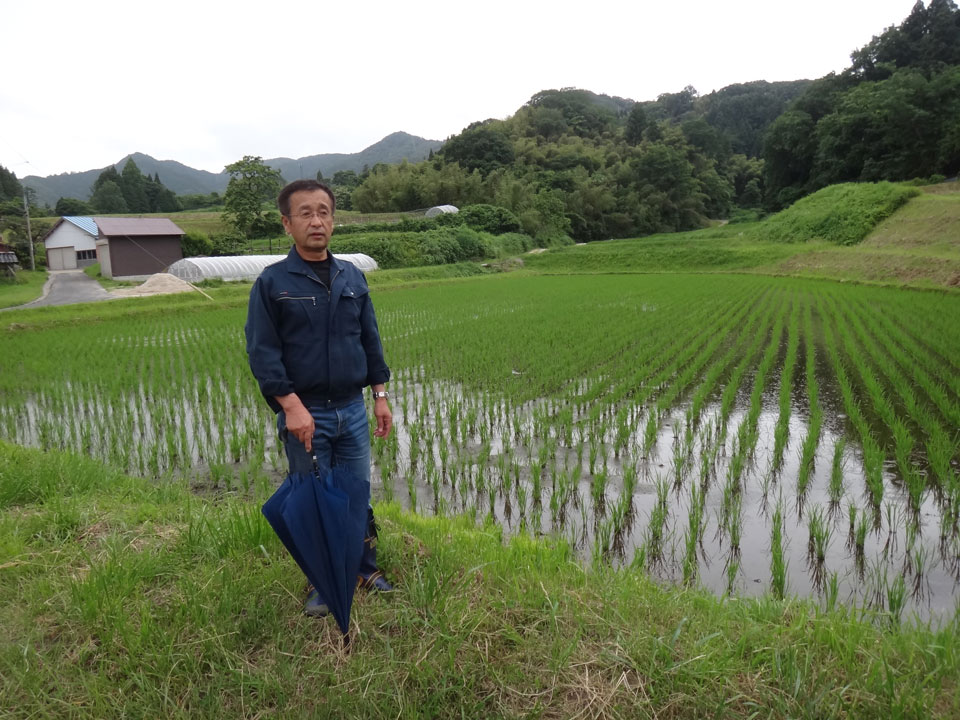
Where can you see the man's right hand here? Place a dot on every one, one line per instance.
(299, 421)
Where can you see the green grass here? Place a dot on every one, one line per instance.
(25, 287)
(93, 271)
(870, 233)
(840, 214)
(126, 598)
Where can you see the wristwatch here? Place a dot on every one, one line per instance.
(377, 394)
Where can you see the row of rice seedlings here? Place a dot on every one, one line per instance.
(781, 431)
(903, 445)
(940, 448)
(692, 360)
(873, 456)
(882, 404)
(778, 562)
(935, 377)
(811, 440)
(747, 435)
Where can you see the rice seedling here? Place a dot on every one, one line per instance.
(778, 563)
(568, 386)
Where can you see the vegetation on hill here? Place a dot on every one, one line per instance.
(610, 167)
(840, 214)
(890, 116)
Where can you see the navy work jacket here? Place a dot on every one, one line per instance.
(302, 337)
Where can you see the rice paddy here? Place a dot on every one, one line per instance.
(751, 435)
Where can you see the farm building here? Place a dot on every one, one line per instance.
(247, 267)
(136, 247)
(8, 261)
(71, 243)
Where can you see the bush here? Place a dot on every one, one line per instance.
(512, 244)
(413, 249)
(488, 218)
(226, 244)
(404, 225)
(267, 226)
(194, 243)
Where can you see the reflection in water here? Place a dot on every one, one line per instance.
(675, 503)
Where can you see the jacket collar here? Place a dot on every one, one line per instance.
(297, 264)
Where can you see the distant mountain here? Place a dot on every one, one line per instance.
(185, 180)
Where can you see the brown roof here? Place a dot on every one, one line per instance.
(110, 227)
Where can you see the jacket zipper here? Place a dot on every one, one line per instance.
(307, 297)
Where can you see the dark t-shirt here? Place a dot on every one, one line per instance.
(322, 269)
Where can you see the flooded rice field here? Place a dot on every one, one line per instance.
(747, 435)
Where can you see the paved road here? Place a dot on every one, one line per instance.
(66, 287)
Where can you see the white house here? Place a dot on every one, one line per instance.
(71, 243)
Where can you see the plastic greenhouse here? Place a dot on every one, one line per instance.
(247, 267)
(441, 210)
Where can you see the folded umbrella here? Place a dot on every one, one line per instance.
(322, 522)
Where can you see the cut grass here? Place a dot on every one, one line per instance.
(26, 287)
(125, 598)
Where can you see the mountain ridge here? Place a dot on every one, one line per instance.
(185, 180)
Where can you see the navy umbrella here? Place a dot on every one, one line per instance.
(322, 522)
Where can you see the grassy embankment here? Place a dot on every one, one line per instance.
(126, 598)
(26, 287)
(882, 233)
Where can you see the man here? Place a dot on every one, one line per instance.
(313, 345)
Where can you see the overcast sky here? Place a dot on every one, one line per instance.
(206, 82)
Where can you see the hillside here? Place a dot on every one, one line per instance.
(185, 180)
(917, 245)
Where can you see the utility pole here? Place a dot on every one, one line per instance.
(26, 210)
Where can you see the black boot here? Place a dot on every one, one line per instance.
(371, 578)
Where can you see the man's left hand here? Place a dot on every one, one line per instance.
(381, 411)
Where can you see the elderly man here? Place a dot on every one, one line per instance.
(313, 345)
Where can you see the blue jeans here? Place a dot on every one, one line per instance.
(341, 436)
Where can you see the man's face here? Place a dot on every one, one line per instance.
(310, 223)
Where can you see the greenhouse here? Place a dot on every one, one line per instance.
(441, 210)
(247, 267)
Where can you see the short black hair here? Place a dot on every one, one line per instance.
(283, 199)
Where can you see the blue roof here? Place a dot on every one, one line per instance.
(84, 223)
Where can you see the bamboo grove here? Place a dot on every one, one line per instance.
(747, 434)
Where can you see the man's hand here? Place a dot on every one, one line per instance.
(381, 411)
(299, 421)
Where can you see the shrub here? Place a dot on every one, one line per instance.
(194, 243)
(512, 244)
(412, 249)
(266, 226)
(225, 244)
(488, 218)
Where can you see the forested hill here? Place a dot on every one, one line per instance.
(184, 180)
(595, 167)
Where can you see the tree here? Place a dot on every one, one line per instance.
(72, 206)
(636, 124)
(481, 148)
(9, 185)
(108, 198)
(251, 183)
(133, 188)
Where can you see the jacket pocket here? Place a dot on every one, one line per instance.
(297, 316)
